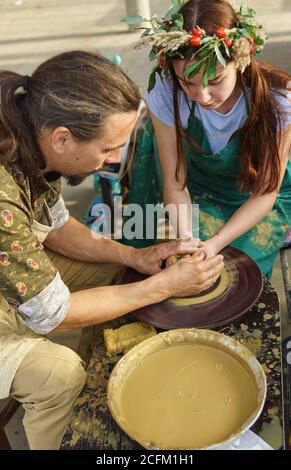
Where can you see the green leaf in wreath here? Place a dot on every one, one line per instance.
(246, 11)
(205, 40)
(166, 73)
(193, 69)
(175, 8)
(247, 30)
(153, 53)
(172, 11)
(133, 20)
(244, 32)
(179, 3)
(219, 55)
(146, 32)
(152, 79)
(210, 71)
(226, 49)
(259, 41)
(179, 21)
(211, 67)
(205, 51)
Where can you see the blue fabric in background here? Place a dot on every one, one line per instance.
(88, 219)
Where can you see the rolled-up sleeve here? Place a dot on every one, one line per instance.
(59, 214)
(44, 312)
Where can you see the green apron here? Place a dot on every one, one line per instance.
(212, 183)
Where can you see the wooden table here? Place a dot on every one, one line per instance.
(92, 427)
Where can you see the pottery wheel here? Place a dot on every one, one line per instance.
(233, 294)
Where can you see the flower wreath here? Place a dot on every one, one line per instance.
(167, 39)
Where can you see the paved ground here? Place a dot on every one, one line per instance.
(36, 29)
(33, 30)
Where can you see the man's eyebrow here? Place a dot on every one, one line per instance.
(106, 149)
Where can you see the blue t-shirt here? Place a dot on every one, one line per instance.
(218, 127)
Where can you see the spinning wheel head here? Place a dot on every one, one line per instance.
(233, 294)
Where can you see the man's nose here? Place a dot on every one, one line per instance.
(115, 157)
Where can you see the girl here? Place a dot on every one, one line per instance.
(222, 128)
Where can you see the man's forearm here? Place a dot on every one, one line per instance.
(76, 241)
(101, 304)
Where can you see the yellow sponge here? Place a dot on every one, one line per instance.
(124, 338)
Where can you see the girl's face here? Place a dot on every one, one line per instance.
(218, 93)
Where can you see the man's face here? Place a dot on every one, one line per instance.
(216, 93)
(76, 160)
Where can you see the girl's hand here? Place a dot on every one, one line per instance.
(210, 248)
(190, 244)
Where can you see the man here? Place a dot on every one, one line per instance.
(72, 116)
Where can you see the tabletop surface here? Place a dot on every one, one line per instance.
(92, 427)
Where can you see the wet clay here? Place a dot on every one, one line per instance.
(187, 396)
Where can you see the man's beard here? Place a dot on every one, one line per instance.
(75, 180)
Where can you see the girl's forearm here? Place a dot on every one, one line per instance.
(256, 207)
(179, 208)
(244, 219)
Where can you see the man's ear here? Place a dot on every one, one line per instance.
(60, 138)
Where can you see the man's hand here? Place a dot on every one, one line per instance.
(149, 260)
(189, 276)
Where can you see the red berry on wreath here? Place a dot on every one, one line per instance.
(220, 32)
(229, 42)
(195, 41)
(251, 40)
(196, 32)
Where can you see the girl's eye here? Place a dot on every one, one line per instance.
(184, 83)
(215, 83)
